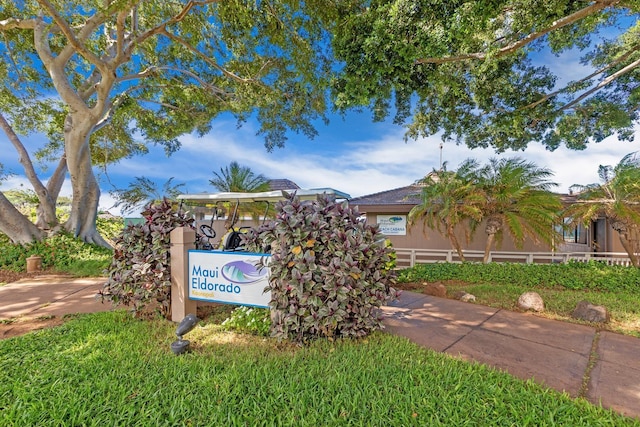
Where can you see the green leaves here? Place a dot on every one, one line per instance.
(467, 69)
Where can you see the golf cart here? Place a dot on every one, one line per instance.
(231, 240)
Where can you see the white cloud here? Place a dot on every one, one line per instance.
(359, 167)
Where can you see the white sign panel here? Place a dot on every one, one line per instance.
(393, 225)
(228, 277)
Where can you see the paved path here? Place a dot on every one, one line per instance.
(51, 295)
(558, 354)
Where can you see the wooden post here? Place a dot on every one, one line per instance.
(182, 240)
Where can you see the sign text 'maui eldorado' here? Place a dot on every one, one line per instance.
(229, 277)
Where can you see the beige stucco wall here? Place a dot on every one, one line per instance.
(421, 237)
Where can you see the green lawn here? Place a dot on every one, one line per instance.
(110, 369)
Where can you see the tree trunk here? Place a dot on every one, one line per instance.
(623, 233)
(15, 225)
(53, 191)
(455, 243)
(85, 189)
(494, 225)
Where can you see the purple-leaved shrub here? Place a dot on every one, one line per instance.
(329, 271)
(140, 272)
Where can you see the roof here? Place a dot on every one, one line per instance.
(264, 196)
(282, 184)
(409, 195)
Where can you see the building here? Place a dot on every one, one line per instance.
(389, 209)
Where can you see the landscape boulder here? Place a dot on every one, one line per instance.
(437, 290)
(531, 301)
(590, 313)
(464, 296)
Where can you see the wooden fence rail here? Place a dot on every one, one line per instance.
(411, 257)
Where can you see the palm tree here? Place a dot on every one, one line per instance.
(517, 199)
(236, 178)
(143, 191)
(617, 198)
(447, 200)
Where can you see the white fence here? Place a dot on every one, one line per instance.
(411, 257)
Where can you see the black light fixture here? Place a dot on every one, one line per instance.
(186, 325)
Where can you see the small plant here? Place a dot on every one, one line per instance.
(252, 320)
(329, 271)
(140, 271)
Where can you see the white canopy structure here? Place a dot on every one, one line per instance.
(265, 196)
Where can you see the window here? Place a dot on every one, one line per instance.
(577, 234)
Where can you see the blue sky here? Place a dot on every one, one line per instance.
(353, 155)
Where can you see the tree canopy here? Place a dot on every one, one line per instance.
(475, 70)
(103, 79)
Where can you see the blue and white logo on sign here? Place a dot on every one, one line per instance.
(242, 272)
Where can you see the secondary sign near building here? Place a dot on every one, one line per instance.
(228, 277)
(393, 225)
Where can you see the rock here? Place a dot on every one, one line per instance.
(590, 313)
(531, 301)
(468, 298)
(436, 290)
(464, 297)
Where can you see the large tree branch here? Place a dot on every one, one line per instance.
(74, 43)
(23, 24)
(612, 64)
(603, 83)
(595, 7)
(46, 208)
(160, 28)
(54, 184)
(24, 158)
(56, 71)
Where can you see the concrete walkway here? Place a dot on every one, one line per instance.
(51, 295)
(603, 367)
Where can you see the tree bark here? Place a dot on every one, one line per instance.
(455, 243)
(493, 226)
(53, 188)
(47, 218)
(623, 233)
(15, 225)
(86, 192)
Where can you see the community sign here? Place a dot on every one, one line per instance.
(393, 225)
(229, 277)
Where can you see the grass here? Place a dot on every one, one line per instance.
(110, 369)
(500, 285)
(624, 307)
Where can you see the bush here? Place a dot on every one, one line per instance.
(329, 272)
(140, 271)
(60, 252)
(592, 275)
